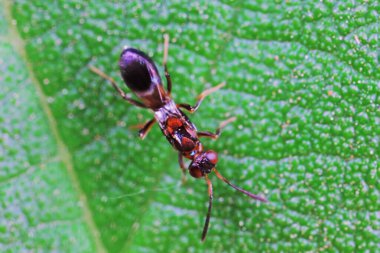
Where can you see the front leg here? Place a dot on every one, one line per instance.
(183, 167)
(200, 98)
(218, 131)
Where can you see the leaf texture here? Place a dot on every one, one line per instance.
(302, 79)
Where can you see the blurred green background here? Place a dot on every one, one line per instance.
(302, 79)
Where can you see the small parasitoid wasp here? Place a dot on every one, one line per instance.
(141, 75)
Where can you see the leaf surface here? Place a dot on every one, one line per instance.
(302, 80)
(40, 207)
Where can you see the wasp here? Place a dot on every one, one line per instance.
(140, 74)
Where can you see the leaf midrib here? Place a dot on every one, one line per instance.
(63, 152)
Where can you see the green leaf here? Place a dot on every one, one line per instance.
(40, 208)
(302, 79)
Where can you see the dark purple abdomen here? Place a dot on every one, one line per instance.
(138, 70)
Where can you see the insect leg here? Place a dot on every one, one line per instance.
(200, 98)
(122, 94)
(208, 216)
(218, 131)
(146, 128)
(167, 75)
(183, 167)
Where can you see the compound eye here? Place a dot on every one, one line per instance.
(195, 171)
(212, 156)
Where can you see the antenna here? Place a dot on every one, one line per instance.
(251, 195)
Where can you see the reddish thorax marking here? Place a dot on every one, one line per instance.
(188, 144)
(173, 124)
(183, 137)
